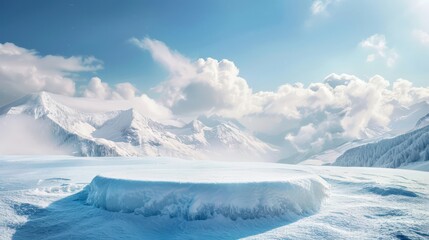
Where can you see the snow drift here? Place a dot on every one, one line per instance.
(291, 198)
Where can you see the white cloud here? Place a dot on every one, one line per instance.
(101, 90)
(421, 36)
(125, 95)
(340, 108)
(24, 135)
(23, 71)
(97, 89)
(172, 60)
(377, 45)
(319, 6)
(204, 85)
(335, 80)
(303, 137)
(405, 93)
(313, 117)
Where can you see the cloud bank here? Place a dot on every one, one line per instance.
(24, 71)
(340, 107)
(21, 135)
(300, 118)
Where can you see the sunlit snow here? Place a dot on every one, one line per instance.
(58, 197)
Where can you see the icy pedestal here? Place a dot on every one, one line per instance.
(202, 193)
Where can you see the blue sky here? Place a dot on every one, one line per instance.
(271, 42)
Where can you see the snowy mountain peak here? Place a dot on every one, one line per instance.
(132, 118)
(215, 120)
(196, 126)
(129, 133)
(37, 105)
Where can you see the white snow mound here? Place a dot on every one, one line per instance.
(200, 200)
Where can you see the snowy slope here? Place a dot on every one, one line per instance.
(129, 133)
(422, 122)
(330, 156)
(54, 197)
(69, 127)
(404, 119)
(395, 152)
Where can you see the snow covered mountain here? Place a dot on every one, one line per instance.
(422, 122)
(402, 120)
(395, 152)
(129, 133)
(89, 127)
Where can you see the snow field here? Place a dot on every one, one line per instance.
(47, 197)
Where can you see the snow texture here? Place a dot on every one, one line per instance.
(46, 197)
(200, 201)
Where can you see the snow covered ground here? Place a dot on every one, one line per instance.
(59, 197)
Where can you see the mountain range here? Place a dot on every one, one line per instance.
(86, 127)
(129, 133)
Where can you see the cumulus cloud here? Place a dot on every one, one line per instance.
(204, 85)
(125, 96)
(101, 90)
(23, 71)
(340, 108)
(305, 135)
(335, 80)
(377, 45)
(421, 36)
